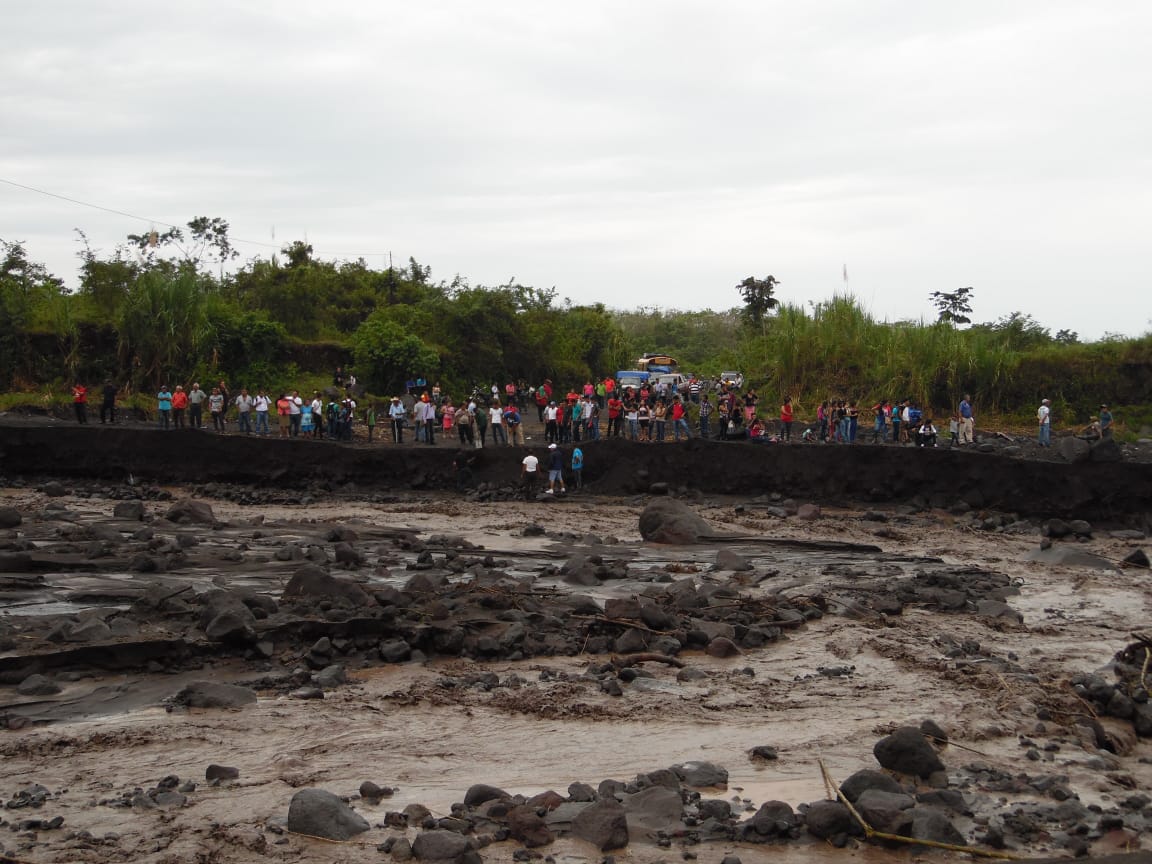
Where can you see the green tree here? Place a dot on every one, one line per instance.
(758, 297)
(163, 324)
(387, 355)
(26, 289)
(953, 307)
(204, 240)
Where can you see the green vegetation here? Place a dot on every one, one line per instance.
(163, 309)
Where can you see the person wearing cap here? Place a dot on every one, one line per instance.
(1044, 417)
(1105, 422)
(555, 470)
(397, 415)
(164, 406)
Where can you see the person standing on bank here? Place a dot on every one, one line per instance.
(967, 421)
(555, 470)
(529, 474)
(787, 416)
(1105, 422)
(108, 405)
(397, 415)
(196, 399)
(1044, 417)
(80, 402)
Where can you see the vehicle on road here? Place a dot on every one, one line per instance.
(633, 378)
(734, 380)
(657, 363)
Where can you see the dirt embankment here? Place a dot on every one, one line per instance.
(1005, 478)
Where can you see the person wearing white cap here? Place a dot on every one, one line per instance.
(555, 470)
(397, 414)
(1044, 416)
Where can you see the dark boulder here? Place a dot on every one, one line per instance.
(773, 819)
(191, 512)
(1074, 449)
(666, 520)
(886, 811)
(211, 694)
(312, 582)
(318, 813)
(868, 778)
(907, 751)
(529, 828)
(828, 819)
(37, 685)
(701, 774)
(726, 559)
(653, 811)
(932, 825)
(130, 510)
(215, 773)
(480, 793)
(10, 517)
(1106, 450)
(90, 630)
(604, 824)
(440, 845)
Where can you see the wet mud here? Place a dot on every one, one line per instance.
(429, 642)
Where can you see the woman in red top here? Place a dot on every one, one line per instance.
(786, 417)
(80, 402)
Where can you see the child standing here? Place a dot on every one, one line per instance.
(954, 430)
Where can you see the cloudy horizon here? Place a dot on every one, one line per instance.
(647, 154)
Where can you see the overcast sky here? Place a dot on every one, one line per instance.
(638, 153)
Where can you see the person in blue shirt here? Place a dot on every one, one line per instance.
(1105, 422)
(164, 406)
(966, 420)
(577, 466)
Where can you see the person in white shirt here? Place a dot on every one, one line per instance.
(295, 403)
(261, 404)
(926, 434)
(529, 475)
(244, 404)
(196, 399)
(1044, 417)
(496, 421)
(397, 415)
(317, 406)
(426, 416)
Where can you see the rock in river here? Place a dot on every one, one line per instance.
(667, 520)
(319, 813)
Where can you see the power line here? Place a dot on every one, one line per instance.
(169, 224)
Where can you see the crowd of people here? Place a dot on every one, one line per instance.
(653, 413)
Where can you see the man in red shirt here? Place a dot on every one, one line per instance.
(615, 406)
(179, 405)
(80, 402)
(679, 420)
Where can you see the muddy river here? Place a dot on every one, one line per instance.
(430, 728)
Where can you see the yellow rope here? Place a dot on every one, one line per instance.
(870, 832)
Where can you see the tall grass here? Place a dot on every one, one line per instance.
(837, 350)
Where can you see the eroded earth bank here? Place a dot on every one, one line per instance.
(220, 672)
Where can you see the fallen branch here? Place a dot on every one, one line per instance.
(834, 792)
(621, 623)
(633, 659)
